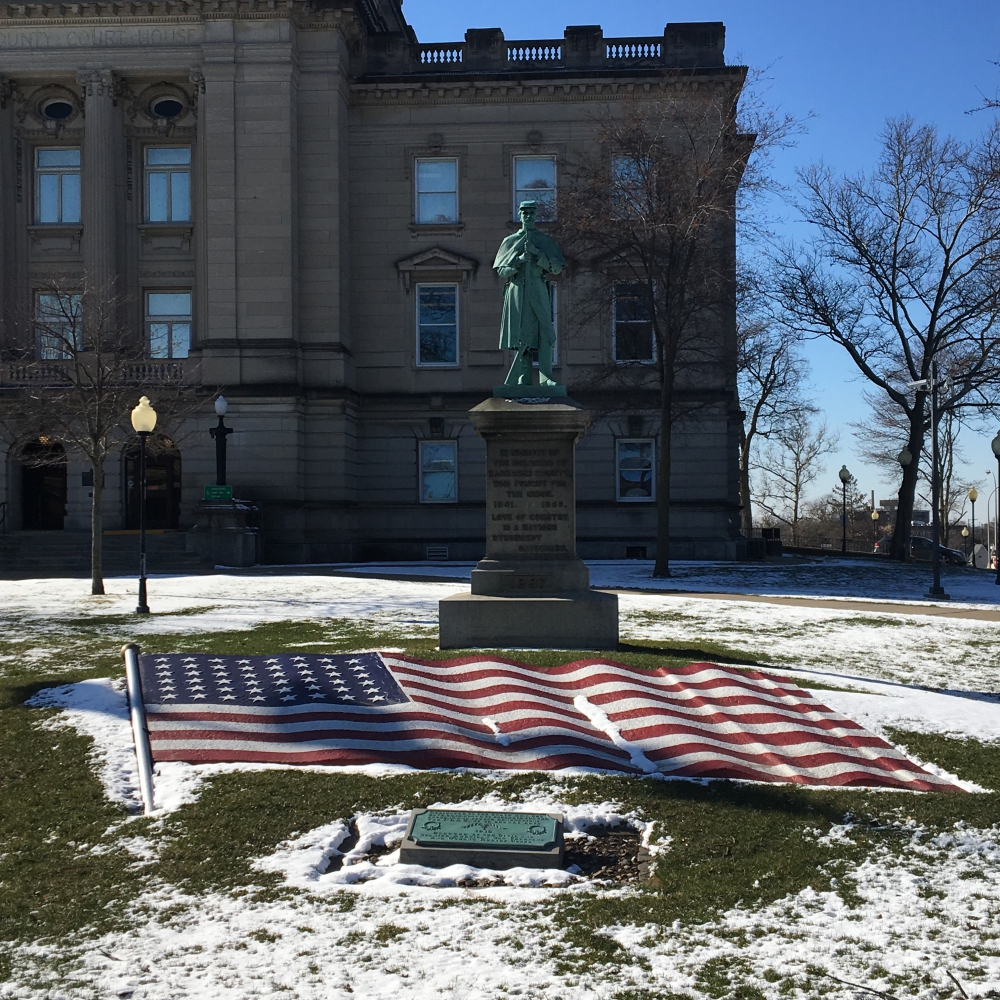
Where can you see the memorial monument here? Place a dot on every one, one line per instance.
(530, 589)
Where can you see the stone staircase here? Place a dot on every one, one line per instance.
(26, 554)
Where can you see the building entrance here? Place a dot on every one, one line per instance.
(163, 486)
(43, 486)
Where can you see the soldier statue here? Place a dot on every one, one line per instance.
(528, 260)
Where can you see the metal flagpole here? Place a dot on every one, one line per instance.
(140, 732)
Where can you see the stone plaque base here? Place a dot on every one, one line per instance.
(528, 391)
(225, 533)
(587, 620)
(472, 846)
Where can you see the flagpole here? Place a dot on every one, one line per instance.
(140, 732)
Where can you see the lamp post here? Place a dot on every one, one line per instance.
(874, 531)
(965, 541)
(995, 445)
(973, 496)
(143, 422)
(845, 478)
(904, 458)
(220, 433)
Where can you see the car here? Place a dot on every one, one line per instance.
(921, 549)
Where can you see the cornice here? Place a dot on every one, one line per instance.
(305, 13)
(534, 89)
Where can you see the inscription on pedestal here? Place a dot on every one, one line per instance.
(530, 498)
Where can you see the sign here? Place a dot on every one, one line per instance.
(218, 493)
(441, 827)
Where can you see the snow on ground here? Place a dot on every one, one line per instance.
(911, 921)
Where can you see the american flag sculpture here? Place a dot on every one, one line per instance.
(698, 721)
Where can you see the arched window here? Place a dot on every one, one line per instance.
(43, 485)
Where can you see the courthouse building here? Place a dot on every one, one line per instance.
(302, 203)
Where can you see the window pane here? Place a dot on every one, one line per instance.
(437, 208)
(180, 196)
(536, 175)
(58, 157)
(436, 175)
(631, 303)
(156, 155)
(169, 304)
(48, 197)
(635, 470)
(634, 342)
(437, 304)
(437, 345)
(70, 198)
(157, 197)
(159, 340)
(180, 340)
(438, 481)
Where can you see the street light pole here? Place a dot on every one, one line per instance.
(995, 445)
(143, 423)
(845, 478)
(973, 495)
(220, 433)
(874, 531)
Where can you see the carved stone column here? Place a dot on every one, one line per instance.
(98, 208)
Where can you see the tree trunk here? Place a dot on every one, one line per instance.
(662, 567)
(746, 512)
(97, 533)
(900, 550)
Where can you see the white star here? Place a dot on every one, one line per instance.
(288, 697)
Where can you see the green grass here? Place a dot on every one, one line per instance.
(730, 843)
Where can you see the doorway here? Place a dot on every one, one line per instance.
(43, 486)
(163, 485)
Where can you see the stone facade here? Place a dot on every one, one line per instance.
(306, 257)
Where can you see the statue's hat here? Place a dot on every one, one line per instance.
(527, 204)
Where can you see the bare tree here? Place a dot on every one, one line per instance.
(652, 211)
(78, 381)
(904, 273)
(769, 372)
(789, 465)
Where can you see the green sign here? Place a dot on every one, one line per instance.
(492, 829)
(218, 493)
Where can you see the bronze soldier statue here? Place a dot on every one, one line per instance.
(528, 260)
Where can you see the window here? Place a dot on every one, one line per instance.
(535, 180)
(168, 324)
(628, 180)
(437, 191)
(168, 183)
(633, 330)
(437, 325)
(634, 466)
(57, 185)
(438, 471)
(58, 325)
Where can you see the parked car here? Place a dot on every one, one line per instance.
(921, 549)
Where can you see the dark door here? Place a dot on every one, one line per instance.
(163, 490)
(43, 487)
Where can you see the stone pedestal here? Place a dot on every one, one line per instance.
(226, 532)
(530, 589)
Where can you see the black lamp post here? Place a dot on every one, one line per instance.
(220, 433)
(973, 496)
(874, 531)
(995, 445)
(845, 478)
(143, 423)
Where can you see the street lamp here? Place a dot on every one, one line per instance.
(936, 591)
(973, 495)
(995, 445)
(143, 422)
(965, 542)
(220, 433)
(845, 478)
(874, 531)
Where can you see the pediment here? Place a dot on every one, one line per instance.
(437, 260)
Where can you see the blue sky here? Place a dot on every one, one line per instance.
(851, 64)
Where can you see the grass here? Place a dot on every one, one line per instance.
(66, 874)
